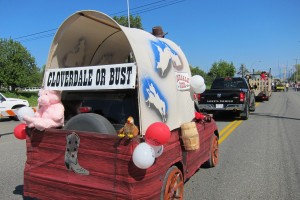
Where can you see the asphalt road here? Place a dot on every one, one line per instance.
(259, 157)
(12, 161)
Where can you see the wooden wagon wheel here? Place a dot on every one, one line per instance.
(173, 184)
(214, 154)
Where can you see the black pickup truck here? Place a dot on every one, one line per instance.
(231, 94)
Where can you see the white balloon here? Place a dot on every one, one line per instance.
(201, 89)
(158, 150)
(143, 156)
(25, 111)
(197, 82)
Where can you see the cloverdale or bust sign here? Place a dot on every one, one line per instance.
(118, 76)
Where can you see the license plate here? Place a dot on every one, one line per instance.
(219, 106)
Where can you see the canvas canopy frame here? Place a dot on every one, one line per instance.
(91, 38)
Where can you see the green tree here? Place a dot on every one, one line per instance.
(222, 69)
(296, 74)
(135, 22)
(17, 66)
(197, 71)
(43, 69)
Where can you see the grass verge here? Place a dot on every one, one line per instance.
(31, 97)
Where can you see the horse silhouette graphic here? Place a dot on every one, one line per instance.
(156, 101)
(164, 56)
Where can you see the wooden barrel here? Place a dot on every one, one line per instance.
(190, 136)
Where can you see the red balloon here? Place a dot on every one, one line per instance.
(157, 134)
(20, 132)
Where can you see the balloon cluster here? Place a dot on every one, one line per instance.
(157, 134)
(19, 130)
(197, 84)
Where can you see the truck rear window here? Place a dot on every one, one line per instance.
(229, 83)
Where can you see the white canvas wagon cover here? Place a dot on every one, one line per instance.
(90, 42)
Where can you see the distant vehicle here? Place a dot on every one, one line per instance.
(279, 86)
(228, 95)
(32, 89)
(261, 85)
(9, 104)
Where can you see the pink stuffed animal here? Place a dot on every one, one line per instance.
(50, 113)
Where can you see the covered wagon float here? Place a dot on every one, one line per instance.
(130, 129)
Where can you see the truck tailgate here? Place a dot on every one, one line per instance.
(220, 96)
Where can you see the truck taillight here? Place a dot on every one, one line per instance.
(197, 97)
(242, 96)
(85, 109)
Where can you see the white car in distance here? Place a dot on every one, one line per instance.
(9, 106)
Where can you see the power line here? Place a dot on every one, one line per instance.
(35, 33)
(136, 10)
(38, 37)
(124, 11)
(157, 7)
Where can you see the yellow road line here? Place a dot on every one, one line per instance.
(227, 127)
(231, 126)
(230, 131)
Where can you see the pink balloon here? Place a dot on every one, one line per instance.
(157, 134)
(20, 132)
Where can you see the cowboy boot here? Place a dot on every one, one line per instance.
(78, 169)
(72, 164)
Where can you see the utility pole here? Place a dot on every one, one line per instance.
(296, 71)
(128, 15)
(242, 70)
(284, 73)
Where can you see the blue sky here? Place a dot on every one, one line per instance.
(261, 34)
